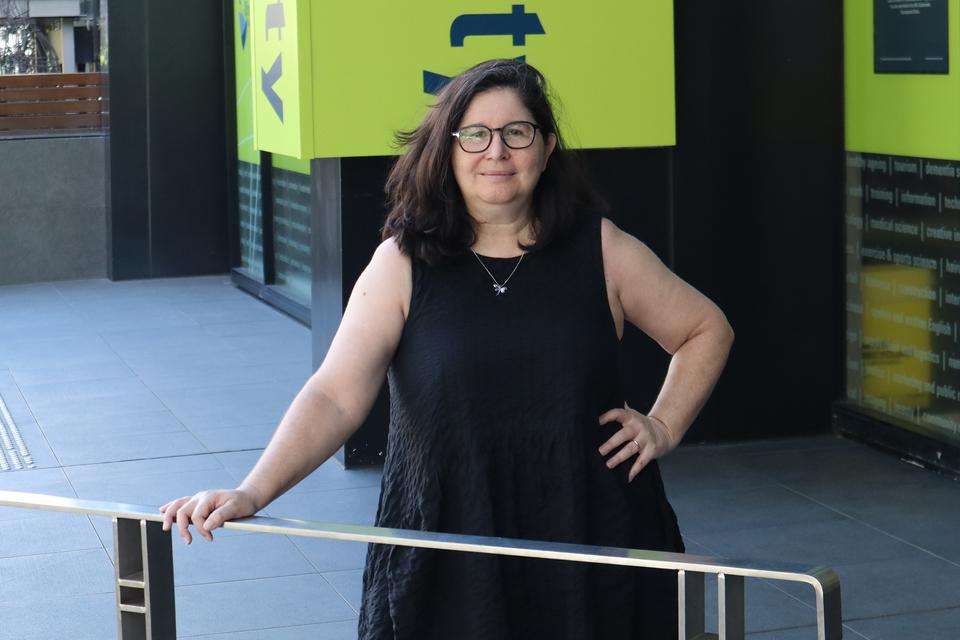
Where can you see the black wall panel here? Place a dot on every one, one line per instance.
(758, 204)
(128, 249)
(168, 179)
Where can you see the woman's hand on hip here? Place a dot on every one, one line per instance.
(640, 436)
(207, 510)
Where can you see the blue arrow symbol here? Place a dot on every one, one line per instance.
(243, 30)
(517, 23)
(268, 79)
(433, 82)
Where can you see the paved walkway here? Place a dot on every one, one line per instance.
(142, 391)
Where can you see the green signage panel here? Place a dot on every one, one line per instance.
(897, 114)
(377, 64)
(279, 37)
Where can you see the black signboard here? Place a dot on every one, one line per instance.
(910, 36)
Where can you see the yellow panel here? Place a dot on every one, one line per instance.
(896, 348)
(610, 63)
(898, 114)
(279, 33)
(291, 164)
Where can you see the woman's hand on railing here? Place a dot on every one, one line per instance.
(207, 510)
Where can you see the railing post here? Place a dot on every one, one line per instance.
(730, 607)
(690, 604)
(143, 561)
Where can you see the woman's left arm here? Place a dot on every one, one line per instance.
(683, 321)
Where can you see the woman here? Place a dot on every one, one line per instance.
(495, 306)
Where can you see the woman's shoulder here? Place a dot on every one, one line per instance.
(393, 269)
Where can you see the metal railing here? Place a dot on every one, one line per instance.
(143, 558)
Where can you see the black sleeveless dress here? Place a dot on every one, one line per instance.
(494, 407)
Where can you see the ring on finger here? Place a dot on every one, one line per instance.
(634, 441)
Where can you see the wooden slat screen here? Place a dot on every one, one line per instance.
(46, 102)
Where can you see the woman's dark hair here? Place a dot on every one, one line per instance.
(428, 216)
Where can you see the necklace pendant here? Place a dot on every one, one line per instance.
(500, 289)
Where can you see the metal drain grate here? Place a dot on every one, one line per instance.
(14, 454)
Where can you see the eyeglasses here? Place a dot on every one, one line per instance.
(476, 138)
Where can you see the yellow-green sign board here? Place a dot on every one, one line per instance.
(897, 114)
(374, 67)
(279, 36)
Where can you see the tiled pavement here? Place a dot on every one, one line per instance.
(142, 391)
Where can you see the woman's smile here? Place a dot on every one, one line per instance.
(498, 176)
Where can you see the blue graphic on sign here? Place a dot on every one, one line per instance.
(267, 80)
(243, 30)
(517, 23)
(275, 19)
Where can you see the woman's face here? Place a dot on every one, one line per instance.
(500, 175)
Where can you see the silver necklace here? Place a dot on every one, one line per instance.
(499, 288)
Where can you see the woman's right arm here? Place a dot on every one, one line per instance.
(331, 405)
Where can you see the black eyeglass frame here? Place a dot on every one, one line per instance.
(536, 127)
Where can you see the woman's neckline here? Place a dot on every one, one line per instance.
(485, 257)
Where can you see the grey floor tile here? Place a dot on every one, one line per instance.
(819, 542)
(873, 589)
(328, 476)
(219, 374)
(799, 443)
(332, 555)
(86, 617)
(134, 316)
(342, 630)
(265, 348)
(191, 355)
(98, 408)
(70, 573)
(142, 468)
(45, 394)
(138, 423)
(766, 607)
(233, 311)
(256, 604)
(800, 633)
(231, 406)
(349, 584)
(919, 512)
(236, 438)
(148, 489)
(132, 341)
(12, 398)
(859, 464)
(346, 506)
(41, 532)
(698, 468)
(59, 374)
(69, 351)
(51, 481)
(929, 625)
(239, 557)
(766, 506)
(279, 327)
(75, 448)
